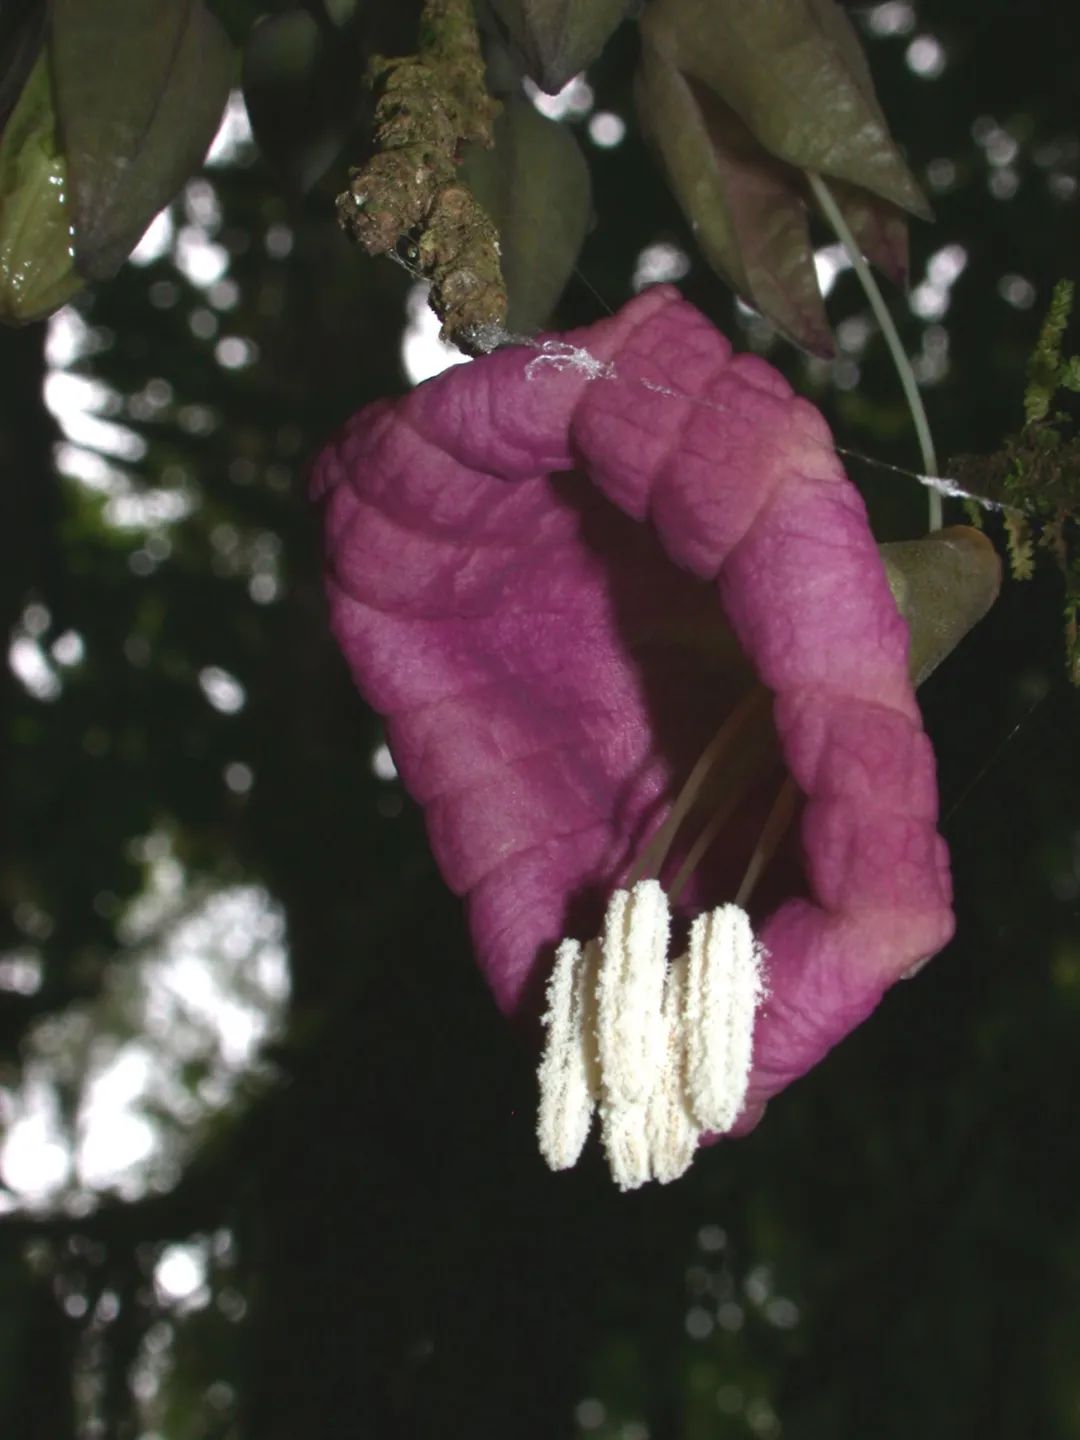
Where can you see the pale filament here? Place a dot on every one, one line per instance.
(737, 792)
(652, 859)
(568, 1079)
(772, 832)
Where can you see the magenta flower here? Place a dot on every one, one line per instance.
(624, 616)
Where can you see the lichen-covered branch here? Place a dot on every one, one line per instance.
(428, 106)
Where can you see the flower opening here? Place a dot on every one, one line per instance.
(561, 585)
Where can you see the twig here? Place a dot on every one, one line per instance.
(409, 193)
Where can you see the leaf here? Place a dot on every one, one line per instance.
(139, 90)
(742, 102)
(534, 184)
(557, 38)
(943, 585)
(22, 29)
(746, 208)
(794, 71)
(36, 273)
(300, 87)
(879, 227)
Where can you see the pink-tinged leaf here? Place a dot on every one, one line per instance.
(748, 210)
(742, 102)
(880, 229)
(795, 73)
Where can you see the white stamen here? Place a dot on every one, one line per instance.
(662, 1051)
(630, 1027)
(671, 1128)
(630, 992)
(568, 1078)
(724, 988)
(626, 1144)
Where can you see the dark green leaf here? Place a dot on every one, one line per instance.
(139, 90)
(302, 92)
(557, 38)
(22, 29)
(535, 186)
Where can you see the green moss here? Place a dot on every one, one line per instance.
(1035, 475)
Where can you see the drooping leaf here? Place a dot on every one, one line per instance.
(943, 585)
(746, 208)
(557, 38)
(534, 184)
(742, 103)
(36, 271)
(139, 92)
(879, 227)
(22, 29)
(302, 93)
(794, 71)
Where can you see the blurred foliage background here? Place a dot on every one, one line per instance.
(267, 1167)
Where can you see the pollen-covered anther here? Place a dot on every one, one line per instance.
(723, 991)
(569, 1084)
(625, 1137)
(630, 992)
(663, 1051)
(671, 1128)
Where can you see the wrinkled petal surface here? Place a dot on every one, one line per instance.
(527, 568)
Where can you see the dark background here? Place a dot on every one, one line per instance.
(378, 1248)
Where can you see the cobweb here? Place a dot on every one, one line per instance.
(561, 355)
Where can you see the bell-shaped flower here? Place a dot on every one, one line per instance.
(641, 666)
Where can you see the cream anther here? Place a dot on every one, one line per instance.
(724, 988)
(630, 990)
(662, 1050)
(630, 1027)
(568, 1078)
(671, 1128)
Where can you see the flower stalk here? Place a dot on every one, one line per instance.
(824, 197)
